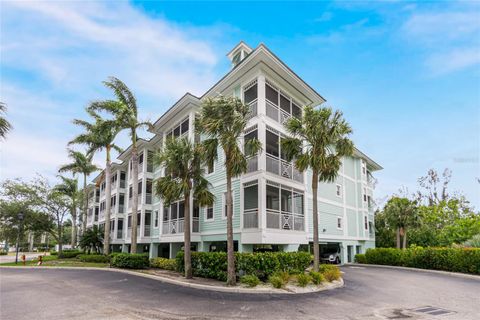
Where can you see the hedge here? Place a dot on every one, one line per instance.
(98, 258)
(360, 258)
(130, 261)
(67, 254)
(465, 260)
(163, 263)
(263, 265)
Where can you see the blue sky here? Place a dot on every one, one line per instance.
(405, 74)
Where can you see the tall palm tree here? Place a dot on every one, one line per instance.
(319, 140)
(97, 136)
(223, 120)
(125, 111)
(402, 214)
(5, 126)
(81, 164)
(183, 163)
(69, 188)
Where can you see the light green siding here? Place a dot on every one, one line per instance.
(352, 223)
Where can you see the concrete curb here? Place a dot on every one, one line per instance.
(332, 286)
(454, 274)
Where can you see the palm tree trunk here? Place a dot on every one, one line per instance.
(74, 225)
(108, 196)
(133, 241)
(60, 239)
(85, 203)
(398, 238)
(231, 277)
(404, 238)
(316, 249)
(187, 244)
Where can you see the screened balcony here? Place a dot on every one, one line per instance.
(174, 218)
(285, 208)
(276, 161)
(279, 106)
(250, 98)
(250, 205)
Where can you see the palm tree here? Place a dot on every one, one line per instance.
(319, 141)
(81, 164)
(92, 239)
(223, 120)
(98, 136)
(5, 126)
(402, 214)
(69, 188)
(125, 111)
(183, 163)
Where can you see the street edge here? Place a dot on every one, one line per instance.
(455, 274)
(339, 283)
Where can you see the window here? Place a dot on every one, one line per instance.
(140, 187)
(339, 223)
(296, 111)
(211, 167)
(273, 198)
(285, 104)
(140, 159)
(364, 168)
(365, 218)
(129, 221)
(156, 219)
(180, 129)
(284, 199)
(271, 94)
(364, 194)
(272, 146)
(249, 136)
(209, 213)
(339, 190)
(250, 94)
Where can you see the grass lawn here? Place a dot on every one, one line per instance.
(53, 261)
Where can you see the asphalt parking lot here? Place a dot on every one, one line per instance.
(369, 293)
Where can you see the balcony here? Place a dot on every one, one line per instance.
(285, 221)
(275, 113)
(178, 226)
(119, 233)
(129, 232)
(252, 164)
(250, 218)
(146, 231)
(253, 110)
(283, 168)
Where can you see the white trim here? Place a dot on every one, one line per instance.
(205, 212)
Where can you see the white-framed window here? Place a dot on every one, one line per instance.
(224, 205)
(209, 214)
(155, 223)
(210, 167)
(339, 223)
(364, 194)
(339, 190)
(365, 219)
(364, 168)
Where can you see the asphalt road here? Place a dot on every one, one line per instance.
(369, 293)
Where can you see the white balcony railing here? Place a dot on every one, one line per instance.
(283, 168)
(252, 164)
(253, 109)
(285, 221)
(250, 218)
(178, 226)
(275, 113)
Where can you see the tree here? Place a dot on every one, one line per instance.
(319, 140)
(183, 163)
(223, 121)
(92, 238)
(81, 164)
(69, 188)
(401, 214)
(125, 111)
(98, 136)
(433, 188)
(5, 126)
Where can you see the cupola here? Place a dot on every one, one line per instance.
(240, 52)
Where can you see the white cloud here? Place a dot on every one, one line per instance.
(450, 39)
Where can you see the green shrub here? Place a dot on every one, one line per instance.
(465, 260)
(130, 261)
(330, 272)
(67, 254)
(163, 263)
(53, 253)
(98, 258)
(360, 258)
(250, 280)
(317, 277)
(276, 281)
(303, 279)
(263, 265)
(3, 253)
(283, 274)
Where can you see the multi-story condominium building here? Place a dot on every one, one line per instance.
(272, 201)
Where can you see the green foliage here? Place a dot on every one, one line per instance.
(163, 263)
(360, 258)
(54, 253)
(3, 253)
(92, 239)
(284, 275)
(330, 272)
(130, 261)
(99, 258)
(317, 277)
(303, 279)
(465, 260)
(473, 242)
(5, 126)
(67, 254)
(250, 280)
(276, 281)
(214, 264)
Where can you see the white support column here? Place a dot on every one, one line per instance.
(261, 95)
(262, 204)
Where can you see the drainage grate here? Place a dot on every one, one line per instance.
(434, 311)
